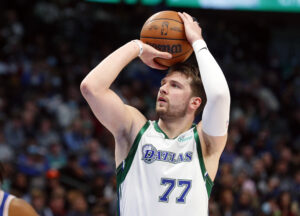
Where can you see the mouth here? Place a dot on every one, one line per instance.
(161, 99)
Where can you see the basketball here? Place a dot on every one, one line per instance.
(165, 32)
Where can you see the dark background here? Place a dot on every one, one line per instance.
(60, 159)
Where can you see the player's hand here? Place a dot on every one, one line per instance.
(150, 53)
(192, 29)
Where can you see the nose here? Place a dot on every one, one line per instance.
(163, 89)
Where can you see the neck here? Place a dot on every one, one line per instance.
(174, 127)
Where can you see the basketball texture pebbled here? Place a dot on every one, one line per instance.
(165, 32)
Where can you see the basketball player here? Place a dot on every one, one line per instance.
(165, 167)
(12, 206)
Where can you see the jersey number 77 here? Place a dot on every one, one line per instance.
(171, 183)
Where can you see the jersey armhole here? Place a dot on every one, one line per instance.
(125, 165)
(208, 182)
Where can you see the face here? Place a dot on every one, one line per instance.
(173, 96)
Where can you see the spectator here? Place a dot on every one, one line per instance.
(57, 202)
(227, 203)
(72, 175)
(6, 152)
(46, 48)
(14, 132)
(56, 156)
(46, 135)
(33, 162)
(74, 138)
(39, 203)
(78, 204)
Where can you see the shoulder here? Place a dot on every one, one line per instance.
(20, 207)
(139, 121)
(125, 137)
(138, 116)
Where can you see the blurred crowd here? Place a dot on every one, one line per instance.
(60, 159)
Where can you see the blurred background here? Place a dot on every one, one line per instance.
(61, 160)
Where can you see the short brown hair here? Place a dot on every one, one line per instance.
(192, 71)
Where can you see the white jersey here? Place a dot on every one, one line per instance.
(5, 200)
(163, 176)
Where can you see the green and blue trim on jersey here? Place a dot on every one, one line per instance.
(124, 167)
(208, 182)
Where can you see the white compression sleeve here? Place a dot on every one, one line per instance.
(215, 116)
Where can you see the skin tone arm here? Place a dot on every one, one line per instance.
(19, 207)
(212, 145)
(121, 120)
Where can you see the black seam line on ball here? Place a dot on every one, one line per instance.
(164, 38)
(165, 19)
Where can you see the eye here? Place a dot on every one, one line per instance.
(175, 85)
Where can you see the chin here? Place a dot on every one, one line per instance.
(161, 111)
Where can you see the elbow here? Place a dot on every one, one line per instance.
(221, 97)
(90, 90)
(224, 95)
(85, 88)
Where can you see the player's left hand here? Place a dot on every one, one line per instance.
(192, 29)
(150, 53)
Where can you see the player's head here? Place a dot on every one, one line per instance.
(181, 92)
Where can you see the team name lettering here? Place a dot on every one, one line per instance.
(151, 154)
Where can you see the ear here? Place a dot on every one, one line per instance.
(195, 103)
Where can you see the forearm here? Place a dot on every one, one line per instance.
(216, 111)
(103, 75)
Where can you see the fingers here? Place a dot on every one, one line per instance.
(153, 52)
(150, 53)
(181, 16)
(164, 55)
(153, 64)
(158, 66)
(186, 17)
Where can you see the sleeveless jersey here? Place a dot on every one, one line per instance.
(163, 176)
(5, 200)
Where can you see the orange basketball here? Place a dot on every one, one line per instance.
(165, 32)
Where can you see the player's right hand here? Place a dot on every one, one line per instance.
(150, 53)
(192, 29)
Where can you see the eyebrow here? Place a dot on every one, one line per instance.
(174, 81)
